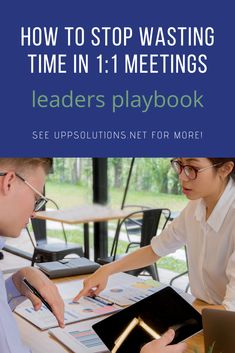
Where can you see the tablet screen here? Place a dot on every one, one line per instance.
(160, 311)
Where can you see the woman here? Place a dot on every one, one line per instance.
(206, 226)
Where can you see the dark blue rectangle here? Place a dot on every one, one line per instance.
(109, 111)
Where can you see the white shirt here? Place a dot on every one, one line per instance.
(210, 247)
(10, 341)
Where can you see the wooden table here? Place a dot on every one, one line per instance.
(197, 341)
(84, 214)
(40, 341)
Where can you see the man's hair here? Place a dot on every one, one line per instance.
(20, 164)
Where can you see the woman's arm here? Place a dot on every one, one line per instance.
(95, 283)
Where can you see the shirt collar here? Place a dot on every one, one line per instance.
(221, 209)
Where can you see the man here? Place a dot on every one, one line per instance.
(21, 186)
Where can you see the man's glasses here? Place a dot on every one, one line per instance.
(189, 171)
(39, 203)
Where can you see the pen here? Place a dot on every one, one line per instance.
(35, 292)
(102, 300)
(98, 299)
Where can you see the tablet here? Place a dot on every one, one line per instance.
(131, 328)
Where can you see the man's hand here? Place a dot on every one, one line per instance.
(44, 286)
(161, 345)
(94, 284)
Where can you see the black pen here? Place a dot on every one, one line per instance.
(35, 292)
(98, 299)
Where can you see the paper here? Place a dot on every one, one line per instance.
(80, 337)
(86, 308)
(124, 289)
(128, 294)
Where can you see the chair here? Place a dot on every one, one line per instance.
(133, 226)
(45, 252)
(150, 219)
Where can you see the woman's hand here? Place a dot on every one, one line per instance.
(94, 284)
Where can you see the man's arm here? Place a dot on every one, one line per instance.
(10, 341)
(14, 297)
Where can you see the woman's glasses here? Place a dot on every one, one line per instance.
(189, 171)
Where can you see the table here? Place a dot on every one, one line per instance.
(41, 341)
(84, 214)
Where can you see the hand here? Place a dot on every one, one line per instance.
(94, 284)
(161, 345)
(45, 287)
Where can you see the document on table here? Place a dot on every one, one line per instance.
(124, 289)
(86, 308)
(129, 292)
(80, 337)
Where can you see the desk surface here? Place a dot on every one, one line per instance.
(40, 341)
(83, 214)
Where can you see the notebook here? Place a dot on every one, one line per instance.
(219, 332)
(68, 267)
(148, 319)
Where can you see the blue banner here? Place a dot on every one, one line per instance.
(104, 79)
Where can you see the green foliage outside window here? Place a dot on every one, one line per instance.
(149, 174)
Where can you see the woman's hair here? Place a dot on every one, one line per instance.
(221, 161)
